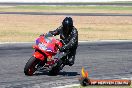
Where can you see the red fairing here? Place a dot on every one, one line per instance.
(35, 47)
(49, 45)
(38, 55)
(57, 42)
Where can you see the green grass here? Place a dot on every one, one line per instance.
(74, 7)
(69, 9)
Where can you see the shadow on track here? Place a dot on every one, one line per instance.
(60, 73)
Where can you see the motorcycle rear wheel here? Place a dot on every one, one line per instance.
(30, 66)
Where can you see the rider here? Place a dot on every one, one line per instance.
(69, 34)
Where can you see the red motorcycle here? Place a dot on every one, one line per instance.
(46, 56)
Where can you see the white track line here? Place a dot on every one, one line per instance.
(127, 78)
(67, 86)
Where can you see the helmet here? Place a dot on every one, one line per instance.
(67, 23)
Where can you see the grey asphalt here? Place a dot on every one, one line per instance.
(65, 4)
(103, 60)
(68, 14)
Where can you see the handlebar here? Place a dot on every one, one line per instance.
(47, 35)
(50, 35)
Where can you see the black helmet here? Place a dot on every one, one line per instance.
(67, 22)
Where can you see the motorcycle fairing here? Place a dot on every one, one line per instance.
(38, 55)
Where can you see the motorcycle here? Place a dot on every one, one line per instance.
(46, 56)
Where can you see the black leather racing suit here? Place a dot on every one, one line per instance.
(70, 39)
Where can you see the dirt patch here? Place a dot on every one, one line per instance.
(69, 9)
(28, 27)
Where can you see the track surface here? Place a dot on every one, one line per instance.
(70, 14)
(65, 4)
(103, 60)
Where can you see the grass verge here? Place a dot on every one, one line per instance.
(69, 9)
(75, 7)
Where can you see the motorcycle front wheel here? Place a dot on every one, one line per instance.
(30, 66)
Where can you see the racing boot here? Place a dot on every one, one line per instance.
(71, 60)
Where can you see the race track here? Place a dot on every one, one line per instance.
(68, 4)
(103, 60)
(68, 14)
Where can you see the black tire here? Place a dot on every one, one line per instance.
(30, 66)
